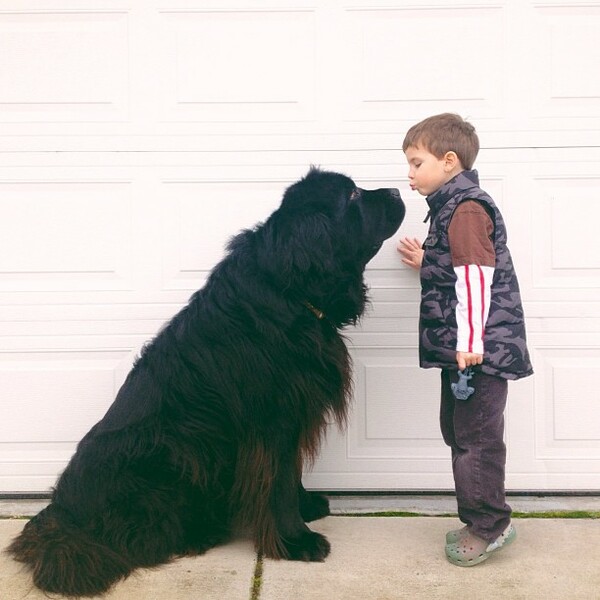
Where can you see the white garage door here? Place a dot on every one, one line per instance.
(136, 136)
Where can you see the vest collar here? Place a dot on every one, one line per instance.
(465, 180)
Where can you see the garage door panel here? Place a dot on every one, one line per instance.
(566, 403)
(410, 84)
(567, 254)
(395, 405)
(236, 65)
(51, 398)
(565, 86)
(65, 235)
(393, 417)
(55, 397)
(200, 218)
(63, 66)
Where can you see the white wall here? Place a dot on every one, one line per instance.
(137, 135)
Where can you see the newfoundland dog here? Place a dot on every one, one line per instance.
(212, 426)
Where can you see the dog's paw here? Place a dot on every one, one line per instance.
(313, 506)
(310, 546)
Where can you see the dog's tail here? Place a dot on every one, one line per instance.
(65, 559)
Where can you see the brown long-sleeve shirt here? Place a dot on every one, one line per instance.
(473, 258)
(470, 235)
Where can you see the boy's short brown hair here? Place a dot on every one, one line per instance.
(445, 133)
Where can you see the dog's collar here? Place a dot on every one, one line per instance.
(315, 311)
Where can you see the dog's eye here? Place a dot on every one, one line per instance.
(355, 194)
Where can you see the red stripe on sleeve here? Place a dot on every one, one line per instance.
(470, 308)
(482, 283)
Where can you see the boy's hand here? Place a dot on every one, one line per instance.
(412, 252)
(468, 359)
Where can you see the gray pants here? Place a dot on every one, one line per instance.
(474, 430)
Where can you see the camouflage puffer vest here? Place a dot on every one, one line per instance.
(505, 347)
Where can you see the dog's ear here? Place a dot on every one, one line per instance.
(299, 249)
(318, 190)
(301, 233)
(304, 193)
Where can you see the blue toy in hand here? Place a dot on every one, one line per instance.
(461, 389)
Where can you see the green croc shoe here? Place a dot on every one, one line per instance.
(456, 534)
(471, 550)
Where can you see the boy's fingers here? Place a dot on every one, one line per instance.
(411, 252)
(465, 359)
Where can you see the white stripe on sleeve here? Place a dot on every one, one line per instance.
(473, 285)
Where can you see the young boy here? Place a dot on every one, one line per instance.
(471, 316)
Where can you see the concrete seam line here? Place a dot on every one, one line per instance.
(257, 578)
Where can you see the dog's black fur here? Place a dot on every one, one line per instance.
(214, 422)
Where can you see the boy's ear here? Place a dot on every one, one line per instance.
(450, 160)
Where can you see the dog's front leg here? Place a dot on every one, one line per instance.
(313, 506)
(294, 540)
(267, 480)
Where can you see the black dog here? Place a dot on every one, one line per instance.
(212, 426)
